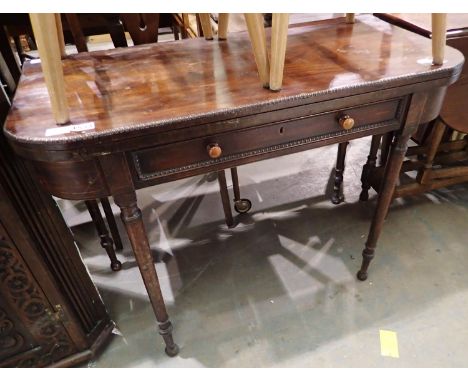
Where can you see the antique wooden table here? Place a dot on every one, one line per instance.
(150, 114)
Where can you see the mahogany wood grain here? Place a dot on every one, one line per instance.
(196, 79)
(156, 108)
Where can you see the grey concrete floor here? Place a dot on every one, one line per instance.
(280, 288)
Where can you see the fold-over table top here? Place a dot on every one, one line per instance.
(178, 84)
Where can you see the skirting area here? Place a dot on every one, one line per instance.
(280, 288)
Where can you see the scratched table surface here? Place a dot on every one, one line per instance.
(176, 84)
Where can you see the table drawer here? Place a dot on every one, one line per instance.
(164, 160)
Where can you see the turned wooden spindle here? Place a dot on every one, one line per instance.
(223, 22)
(279, 36)
(206, 25)
(45, 32)
(256, 30)
(439, 37)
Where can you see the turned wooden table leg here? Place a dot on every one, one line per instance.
(338, 196)
(132, 218)
(279, 37)
(392, 172)
(106, 241)
(257, 36)
(225, 198)
(241, 206)
(112, 223)
(369, 167)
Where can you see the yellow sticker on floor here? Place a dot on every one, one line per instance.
(389, 344)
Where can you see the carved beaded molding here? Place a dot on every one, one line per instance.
(263, 150)
(434, 74)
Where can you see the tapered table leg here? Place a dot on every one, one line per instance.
(369, 167)
(112, 223)
(206, 25)
(223, 22)
(132, 218)
(392, 171)
(338, 196)
(106, 241)
(225, 198)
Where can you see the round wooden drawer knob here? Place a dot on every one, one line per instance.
(346, 122)
(214, 151)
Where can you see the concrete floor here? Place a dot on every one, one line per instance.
(280, 288)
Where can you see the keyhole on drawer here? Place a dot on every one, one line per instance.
(281, 130)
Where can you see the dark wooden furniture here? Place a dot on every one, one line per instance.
(440, 156)
(140, 119)
(50, 311)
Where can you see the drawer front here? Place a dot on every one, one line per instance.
(165, 160)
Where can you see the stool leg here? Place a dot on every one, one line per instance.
(338, 196)
(392, 171)
(106, 241)
(225, 198)
(242, 206)
(439, 37)
(132, 218)
(279, 37)
(369, 167)
(257, 36)
(223, 22)
(206, 25)
(112, 223)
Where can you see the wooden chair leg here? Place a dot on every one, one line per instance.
(241, 206)
(439, 37)
(45, 32)
(369, 167)
(206, 25)
(106, 241)
(256, 31)
(132, 218)
(279, 36)
(225, 198)
(112, 223)
(223, 22)
(338, 196)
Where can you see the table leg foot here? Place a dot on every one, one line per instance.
(242, 206)
(387, 188)
(132, 219)
(367, 256)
